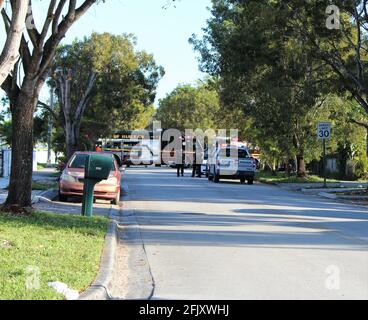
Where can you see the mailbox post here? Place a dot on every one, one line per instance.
(97, 168)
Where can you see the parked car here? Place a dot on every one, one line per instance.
(231, 162)
(72, 179)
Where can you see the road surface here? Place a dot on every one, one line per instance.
(230, 241)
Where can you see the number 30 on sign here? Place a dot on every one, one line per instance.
(324, 130)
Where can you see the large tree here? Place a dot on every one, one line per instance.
(14, 30)
(338, 35)
(37, 52)
(266, 71)
(103, 85)
(189, 107)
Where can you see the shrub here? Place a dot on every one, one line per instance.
(361, 168)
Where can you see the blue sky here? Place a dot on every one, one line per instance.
(163, 32)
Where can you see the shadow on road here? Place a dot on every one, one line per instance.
(195, 212)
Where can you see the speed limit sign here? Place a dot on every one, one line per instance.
(324, 130)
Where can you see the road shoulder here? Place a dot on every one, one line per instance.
(132, 278)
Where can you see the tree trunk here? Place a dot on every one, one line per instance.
(366, 141)
(301, 165)
(71, 140)
(20, 187)
(287, 168)
(37, 57)
(10, 53)
(72, 119)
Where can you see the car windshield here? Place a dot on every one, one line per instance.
(78, 161)
(228, 152)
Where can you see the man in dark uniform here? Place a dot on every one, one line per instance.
(194, 165)
(180, 162)
(197, 165)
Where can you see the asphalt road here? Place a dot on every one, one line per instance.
(233, 241)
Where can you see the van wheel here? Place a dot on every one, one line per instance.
(250, 181)
(209, 175)
(242, 180)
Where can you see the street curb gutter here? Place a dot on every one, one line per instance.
(99, 290)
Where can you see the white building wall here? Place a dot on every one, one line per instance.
(7, 162)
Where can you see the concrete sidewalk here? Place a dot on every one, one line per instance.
(341, 184)
(46, 174)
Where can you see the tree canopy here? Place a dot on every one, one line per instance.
(189, 107)
(269, 70)
(110, 85)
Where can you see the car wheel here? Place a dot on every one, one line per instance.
(63, 198)
(242, 180)
(250, 181)
(117, 199)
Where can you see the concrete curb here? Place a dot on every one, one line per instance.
(99, 290)
(328, 195)
(331, 190)
(142, 287)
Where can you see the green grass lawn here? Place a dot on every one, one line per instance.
(64, 248)
(281, 177)
(44, 185)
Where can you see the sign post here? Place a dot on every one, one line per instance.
(324, 133)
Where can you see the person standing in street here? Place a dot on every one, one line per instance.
(197, 163)
(194, 164)
(180, 162)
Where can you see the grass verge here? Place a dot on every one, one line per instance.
(281, 177)
(63, 248)
(44, 185)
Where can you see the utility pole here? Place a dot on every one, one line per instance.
(49, 128)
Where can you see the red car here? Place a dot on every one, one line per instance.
(72, 178)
